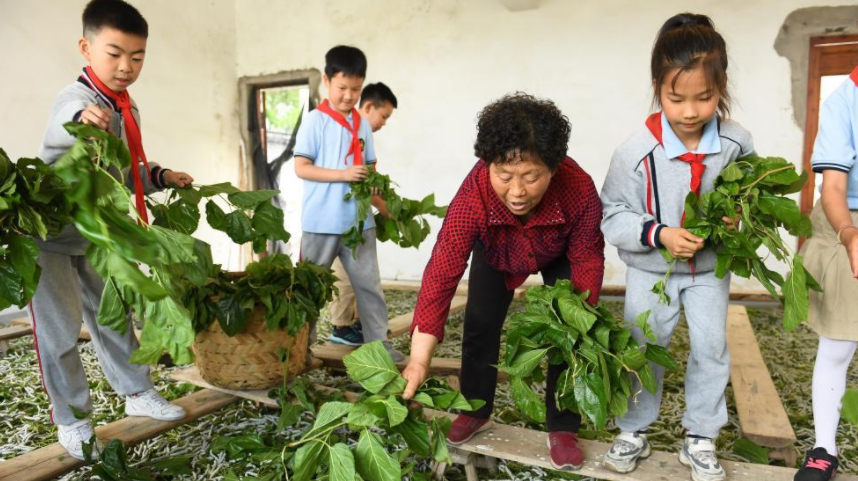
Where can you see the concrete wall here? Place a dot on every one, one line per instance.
(445, 59)
(187, 90)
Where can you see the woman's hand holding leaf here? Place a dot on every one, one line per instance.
(417, 370)
(415, 374)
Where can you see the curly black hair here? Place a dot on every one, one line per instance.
(521, 123)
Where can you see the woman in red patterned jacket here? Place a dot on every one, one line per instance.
(524, 208)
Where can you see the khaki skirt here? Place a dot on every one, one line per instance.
(833, 312)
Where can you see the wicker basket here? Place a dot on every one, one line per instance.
(251, 358)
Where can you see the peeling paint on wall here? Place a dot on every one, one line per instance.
(793, 42)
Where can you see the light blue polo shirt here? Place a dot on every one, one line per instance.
(325, 142)
(710, 142)
(835, 144)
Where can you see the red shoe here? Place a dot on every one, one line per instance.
(565, 453)
(465, 427)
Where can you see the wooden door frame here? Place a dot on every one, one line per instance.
(248, 86)
(831, 55)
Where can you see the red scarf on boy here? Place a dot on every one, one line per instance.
(122, 100)
(354, 147)
(854, 76)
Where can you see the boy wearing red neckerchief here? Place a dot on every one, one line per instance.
(377, 103)
(333, 148)
(114, 46)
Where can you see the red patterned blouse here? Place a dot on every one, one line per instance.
(566, 222)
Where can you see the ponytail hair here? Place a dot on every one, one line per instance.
(685, 42)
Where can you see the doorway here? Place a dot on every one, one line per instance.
(831, 61)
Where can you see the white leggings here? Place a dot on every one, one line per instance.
(829, 384)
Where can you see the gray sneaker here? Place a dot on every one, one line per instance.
(625, 452)
(396, 355)
(699, 454)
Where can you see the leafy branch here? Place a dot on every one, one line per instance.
(173, 294)
(32, 204)
(407, 225)
(601, 356)
(754, 190)
(379, 419)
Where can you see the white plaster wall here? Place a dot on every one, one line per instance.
(445, 59)
(187, 91)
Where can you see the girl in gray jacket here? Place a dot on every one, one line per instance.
(681, 149)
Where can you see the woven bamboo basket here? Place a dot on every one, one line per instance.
(251, 358)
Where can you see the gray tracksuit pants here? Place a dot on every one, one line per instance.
(705, 299)
(70, 292)
(363, 274)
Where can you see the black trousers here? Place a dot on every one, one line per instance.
(485, 313)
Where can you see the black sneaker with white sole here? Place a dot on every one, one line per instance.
(818, 465)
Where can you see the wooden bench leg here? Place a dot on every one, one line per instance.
(471, 472)
(438, 470)
(491, 464)
(787, 454)
(472, 461)
(4, 348)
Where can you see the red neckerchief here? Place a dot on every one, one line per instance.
(354, 148)
(695, 161)
(132, 133)
(854, 76)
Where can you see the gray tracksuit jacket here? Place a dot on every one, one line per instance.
(67, 107)
(645, 192)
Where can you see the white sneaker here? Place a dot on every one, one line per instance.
(699, 455)
(624, 454)
(151, 404)
(73, 436)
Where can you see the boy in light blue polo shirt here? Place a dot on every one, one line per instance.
(333, 148)
(831, 256)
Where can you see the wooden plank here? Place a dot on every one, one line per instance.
(191, 375)
(400, 325)
(461, 290)
(14, 332)
(52, 460)
(530, 447)
(332, 355)
(402, 285)
(83, 336)
(762, 417)
(614, 291)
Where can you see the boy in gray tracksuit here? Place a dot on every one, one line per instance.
(643, 194)
(69, 288)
